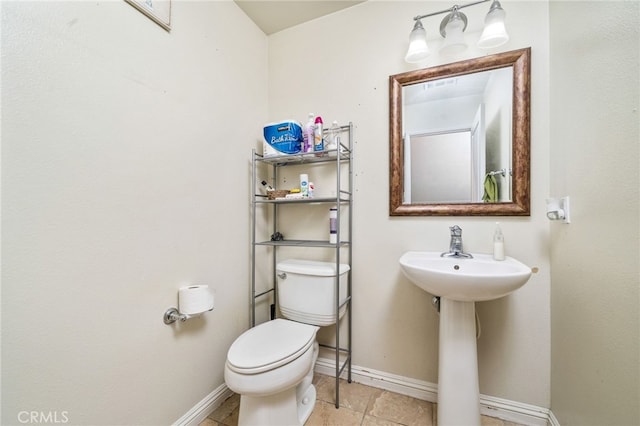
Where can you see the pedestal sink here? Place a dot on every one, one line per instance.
(459, 283)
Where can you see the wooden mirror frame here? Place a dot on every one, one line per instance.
(521, 135)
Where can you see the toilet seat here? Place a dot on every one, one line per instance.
(269, 346)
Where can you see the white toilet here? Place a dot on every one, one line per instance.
(271, 365)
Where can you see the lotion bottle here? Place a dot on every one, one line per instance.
(498, 243)
(304, 185)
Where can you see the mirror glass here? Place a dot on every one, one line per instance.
(459, 138)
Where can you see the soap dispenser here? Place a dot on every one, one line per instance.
(498, 243)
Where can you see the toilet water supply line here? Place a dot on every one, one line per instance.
(435, 301)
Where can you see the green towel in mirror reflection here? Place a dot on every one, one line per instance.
(490, 189)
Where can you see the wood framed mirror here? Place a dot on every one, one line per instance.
(460, 138)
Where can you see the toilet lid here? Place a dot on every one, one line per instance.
(270, 345)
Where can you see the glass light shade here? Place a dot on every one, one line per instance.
(495, 32)
(418, 49)
(454, 35)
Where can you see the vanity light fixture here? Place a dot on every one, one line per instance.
(452, 29)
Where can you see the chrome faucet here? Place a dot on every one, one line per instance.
(455, 246)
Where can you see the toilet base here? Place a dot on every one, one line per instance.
(281, 409)
(306, 404)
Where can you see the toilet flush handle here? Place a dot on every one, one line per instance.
(282, 275)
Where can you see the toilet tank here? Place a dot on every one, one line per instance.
(307, 290)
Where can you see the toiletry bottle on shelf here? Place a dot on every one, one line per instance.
(333, 138)
(304, 185)
(318, 144)
(333, 225)
(312, 188)
(308, 134)
(498, 243)
(266, 186)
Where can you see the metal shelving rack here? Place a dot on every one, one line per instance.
(341, 158)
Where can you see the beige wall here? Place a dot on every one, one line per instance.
(594, 158)
(338, 67)
(124, 173)
(112, 138)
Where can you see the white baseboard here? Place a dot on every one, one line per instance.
(202, 409)
(553, 421)
(513, 411)
(504, 409)
(378, 379)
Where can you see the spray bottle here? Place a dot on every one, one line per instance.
(308, 134)
(318, 144)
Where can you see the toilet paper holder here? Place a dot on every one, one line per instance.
(194, 299)
(172, 315)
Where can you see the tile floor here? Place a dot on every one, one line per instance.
(360, 405)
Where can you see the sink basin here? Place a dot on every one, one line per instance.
(466, 280)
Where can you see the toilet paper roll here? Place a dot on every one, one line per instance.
(195, 299)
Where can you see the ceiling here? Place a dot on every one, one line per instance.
(272, 16)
